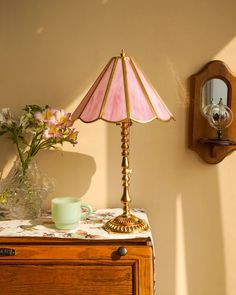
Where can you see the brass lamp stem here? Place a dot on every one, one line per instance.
(126, 222)
(125, 167)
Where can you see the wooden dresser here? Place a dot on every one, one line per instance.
(32, 265)
(67, 266)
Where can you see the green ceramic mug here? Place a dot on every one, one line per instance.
(66, 212)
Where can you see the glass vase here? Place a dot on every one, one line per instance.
(23, 191)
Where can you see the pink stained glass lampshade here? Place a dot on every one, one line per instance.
(121, 93)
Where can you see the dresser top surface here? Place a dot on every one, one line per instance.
(43, 230)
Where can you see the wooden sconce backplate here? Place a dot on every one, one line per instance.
(199, 126)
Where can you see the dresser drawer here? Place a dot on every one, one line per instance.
(72, 252)
(88, 269)
(52, 277)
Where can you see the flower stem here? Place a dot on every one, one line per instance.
(18, 148)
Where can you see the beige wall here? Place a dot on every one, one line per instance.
(50, 53)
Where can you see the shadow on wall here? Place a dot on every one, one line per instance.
(73, 172)
(181, 196)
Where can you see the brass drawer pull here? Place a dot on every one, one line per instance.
(7, 252)
(122, 251)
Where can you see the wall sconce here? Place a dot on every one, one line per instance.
(212, 107)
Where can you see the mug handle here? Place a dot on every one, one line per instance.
(88, 211)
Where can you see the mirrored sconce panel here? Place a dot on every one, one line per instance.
(214, 89)
(212, 132)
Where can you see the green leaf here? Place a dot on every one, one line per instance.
(32, 108)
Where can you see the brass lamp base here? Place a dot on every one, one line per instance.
(126, 224)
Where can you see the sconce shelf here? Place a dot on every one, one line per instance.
(216, 141)
(213, 81)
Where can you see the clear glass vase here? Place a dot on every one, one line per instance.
(22, 192)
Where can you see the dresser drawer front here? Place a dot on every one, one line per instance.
(68, 277)
(74, 252)
(76, 269)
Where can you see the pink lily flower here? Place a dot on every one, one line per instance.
(62, 118)
(52, 131)
(46, 116)
(6, 117)
(73, 136)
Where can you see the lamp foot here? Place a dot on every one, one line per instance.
(126, 224)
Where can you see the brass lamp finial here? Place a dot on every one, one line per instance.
(122, 54)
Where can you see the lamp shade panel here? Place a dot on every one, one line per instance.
(161, 110)
(121, 93)
(139, 106)
(115, 106)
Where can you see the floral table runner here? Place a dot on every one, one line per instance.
(89, 228)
